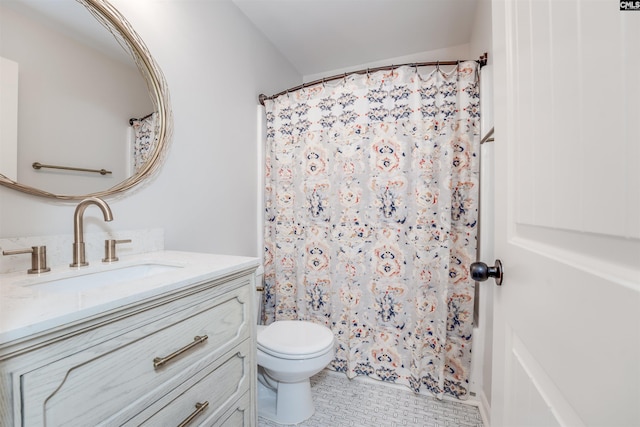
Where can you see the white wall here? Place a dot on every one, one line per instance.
(451, 53)
(216, 64)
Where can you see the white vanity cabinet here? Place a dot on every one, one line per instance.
(187, 354)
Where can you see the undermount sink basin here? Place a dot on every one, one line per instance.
(96, 279)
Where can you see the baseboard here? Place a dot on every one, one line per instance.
(485, 409)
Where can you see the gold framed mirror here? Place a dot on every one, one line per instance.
(154, 87)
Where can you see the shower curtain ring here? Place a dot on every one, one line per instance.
(415, 65)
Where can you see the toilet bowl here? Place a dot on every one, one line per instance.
(289, 353)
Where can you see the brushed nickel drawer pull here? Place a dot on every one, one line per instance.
(159, 361)
(199, 408)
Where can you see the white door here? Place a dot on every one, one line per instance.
(567, 142)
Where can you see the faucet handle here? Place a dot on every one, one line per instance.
(110, 249)
(38, 258)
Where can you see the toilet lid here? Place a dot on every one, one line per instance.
(294, 338)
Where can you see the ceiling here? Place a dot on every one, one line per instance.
(317, 36)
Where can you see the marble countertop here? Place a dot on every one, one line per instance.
(29, 305)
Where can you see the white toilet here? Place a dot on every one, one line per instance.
(289, 353)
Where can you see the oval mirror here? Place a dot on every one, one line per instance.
(85, 108)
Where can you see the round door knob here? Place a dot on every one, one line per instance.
(481, 272)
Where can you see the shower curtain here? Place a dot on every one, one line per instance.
(371, 209)
(144, 140)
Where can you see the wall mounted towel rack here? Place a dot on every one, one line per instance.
(37, 165)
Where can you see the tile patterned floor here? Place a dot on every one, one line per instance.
(341, 402)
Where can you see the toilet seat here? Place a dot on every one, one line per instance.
(294, 339)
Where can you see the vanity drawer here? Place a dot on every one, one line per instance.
(238, 415)
(209, 396)
(116, 378)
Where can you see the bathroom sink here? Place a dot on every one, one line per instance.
(97, 279)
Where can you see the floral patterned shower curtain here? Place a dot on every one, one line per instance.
(370, 220)
(144, 140)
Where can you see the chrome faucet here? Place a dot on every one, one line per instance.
(78, 231)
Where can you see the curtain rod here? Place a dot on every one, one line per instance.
(133, 119)
(482, 61)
